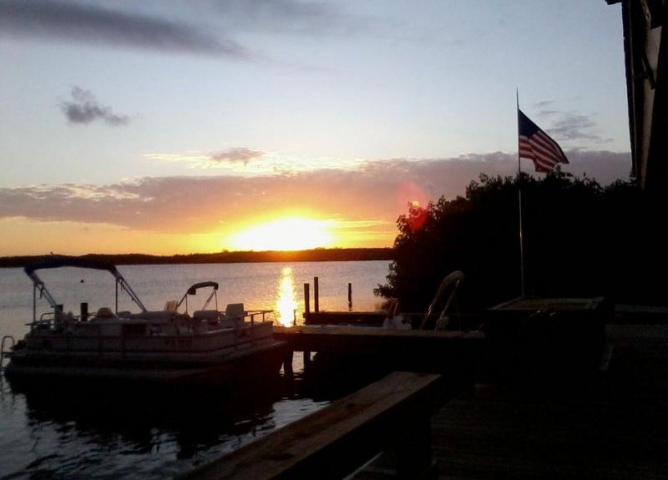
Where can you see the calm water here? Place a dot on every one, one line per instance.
(84, 434)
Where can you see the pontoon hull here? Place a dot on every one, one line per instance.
(224, 369)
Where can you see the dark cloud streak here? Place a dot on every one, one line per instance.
(290, 16)
(91, 24)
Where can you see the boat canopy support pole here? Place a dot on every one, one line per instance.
(38, 286)
(125, 286)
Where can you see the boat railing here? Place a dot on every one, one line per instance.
(46, 320)
(111, 328)
(49, 319)
(252, 314)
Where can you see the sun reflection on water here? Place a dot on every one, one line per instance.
(286, 301)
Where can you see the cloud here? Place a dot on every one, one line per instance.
(84, 109)
(568, 126)
(235, 155)
(372, 195)
(289, 16)
(605, 167)
(84, 23)
(544, 108)
(206, 160)
(572, 126)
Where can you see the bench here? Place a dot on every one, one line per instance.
(392, 415)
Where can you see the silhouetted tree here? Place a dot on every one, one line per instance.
(579, 240)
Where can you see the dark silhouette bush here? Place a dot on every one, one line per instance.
(579, 239)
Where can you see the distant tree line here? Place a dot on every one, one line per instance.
(579, 239)
(313, 255)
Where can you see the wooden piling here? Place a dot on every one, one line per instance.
(316, 295)
(307, 311)
(287, 363)
(307, 299)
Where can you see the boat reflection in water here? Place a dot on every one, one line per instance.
(286, 301)
(104, 432)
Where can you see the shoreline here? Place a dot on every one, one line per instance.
(312, 255)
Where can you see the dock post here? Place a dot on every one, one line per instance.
(307, 360)
(350, 297)
(316, 295)
(307, 299)
(84, 312)
(287, 363)
(307, 310)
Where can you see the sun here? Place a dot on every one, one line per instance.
(293, 233)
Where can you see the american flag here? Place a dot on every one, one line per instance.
(536, 145)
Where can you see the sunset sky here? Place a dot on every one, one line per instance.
(172, 127)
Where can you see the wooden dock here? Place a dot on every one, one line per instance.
(611, 425)
(408, 350)
(345, 318)
(608, 422)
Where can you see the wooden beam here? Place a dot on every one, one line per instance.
(391, 414)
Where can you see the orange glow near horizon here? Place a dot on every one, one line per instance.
(294, 233)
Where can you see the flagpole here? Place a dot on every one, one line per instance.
(519, 190)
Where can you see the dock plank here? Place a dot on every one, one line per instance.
(610, 425)
(496, 435)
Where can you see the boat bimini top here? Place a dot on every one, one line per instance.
(59, 261)
(193, 291)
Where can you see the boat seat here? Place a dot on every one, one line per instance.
(235, 310)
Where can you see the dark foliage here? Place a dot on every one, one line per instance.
(579, 240)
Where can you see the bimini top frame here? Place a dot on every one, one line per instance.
(59, 261)
(193, 291)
